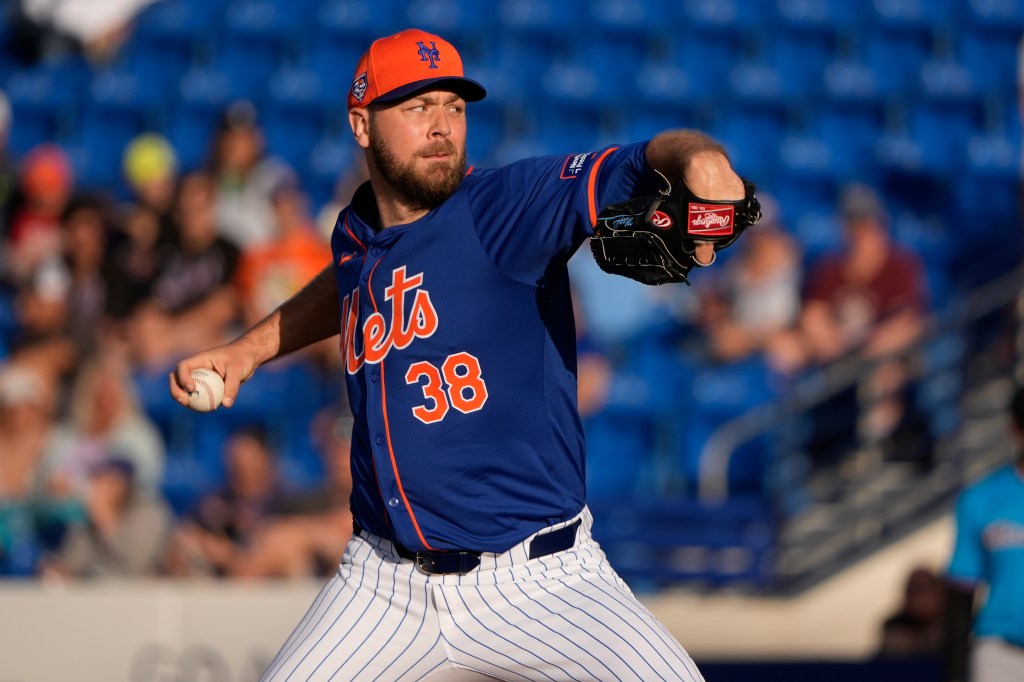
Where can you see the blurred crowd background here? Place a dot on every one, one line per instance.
(171, 170)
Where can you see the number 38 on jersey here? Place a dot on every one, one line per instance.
(455, 383)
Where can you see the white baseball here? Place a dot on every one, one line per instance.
(209, 390)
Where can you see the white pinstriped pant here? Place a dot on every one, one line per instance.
(566, 616)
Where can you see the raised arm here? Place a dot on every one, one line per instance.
(697, 159)
(307, 317)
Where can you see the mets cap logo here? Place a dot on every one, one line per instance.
(428, 53)
(359, 87)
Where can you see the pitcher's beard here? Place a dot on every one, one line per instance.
(422, 189)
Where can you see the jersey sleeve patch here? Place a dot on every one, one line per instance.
(573, 166)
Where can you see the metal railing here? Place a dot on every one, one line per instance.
(713, 483)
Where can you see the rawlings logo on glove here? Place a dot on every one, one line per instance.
(643, 238)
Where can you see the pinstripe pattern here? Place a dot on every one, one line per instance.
(565, 617)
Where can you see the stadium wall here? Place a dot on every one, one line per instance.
(228, 631)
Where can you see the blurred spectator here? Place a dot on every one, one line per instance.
(917, 629)
(61, 304)
(150, 168)
(41, 308)
(105, 423)
(270, 273)
(27, 404)
(871, 297)
(97, 28)
(85, 242)
(245, 177)
(226, 522)
(870, 300)
(46, 183)
(193, 300)
(753, 303)
(123, 533)
(134, 261)
(308, 531)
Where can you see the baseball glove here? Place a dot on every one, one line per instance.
(652, 238)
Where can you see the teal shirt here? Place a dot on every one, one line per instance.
(990, 549)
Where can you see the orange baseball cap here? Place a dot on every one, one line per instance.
(399, 65)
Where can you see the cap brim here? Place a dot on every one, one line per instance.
(467, 88)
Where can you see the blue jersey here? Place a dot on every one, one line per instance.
(990, 549)
(459, 349)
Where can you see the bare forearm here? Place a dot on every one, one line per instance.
(309, 316)
(672, 151)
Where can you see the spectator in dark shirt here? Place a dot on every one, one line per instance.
(193, 300)
(870, 301)
(225, 523)
(307, 533)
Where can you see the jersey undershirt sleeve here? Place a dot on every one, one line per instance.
(537, 211)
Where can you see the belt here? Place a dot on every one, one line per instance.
(456, 561)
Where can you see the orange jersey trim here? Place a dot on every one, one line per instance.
(351, 234)
(387, 426)
(592, 185)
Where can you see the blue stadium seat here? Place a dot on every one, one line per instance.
(576, 118)
(1002, 16)
(990, 58)
(728, 16)
(44, 103)
(654, 542)
(543, 20)
(849, 128)
(334, 60)
(188, 477)
(328, 161)
(258, 37)
(204, 94)
(174, 33)
(759, 83)
(943, 128)
(752, 134)
(799, 56)
(643, 19)
(469, 26)
(851, 81)
(895, 58)
(120, 105)
(816, 228)
(707, 59)
(359, 20)
(486, 125)
(832, 16)
(295, 115)
(807, 156)
(618, 445)
(919, 15)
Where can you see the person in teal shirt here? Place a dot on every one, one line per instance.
(989, 552)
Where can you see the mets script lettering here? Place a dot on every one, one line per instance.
(379, 335)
